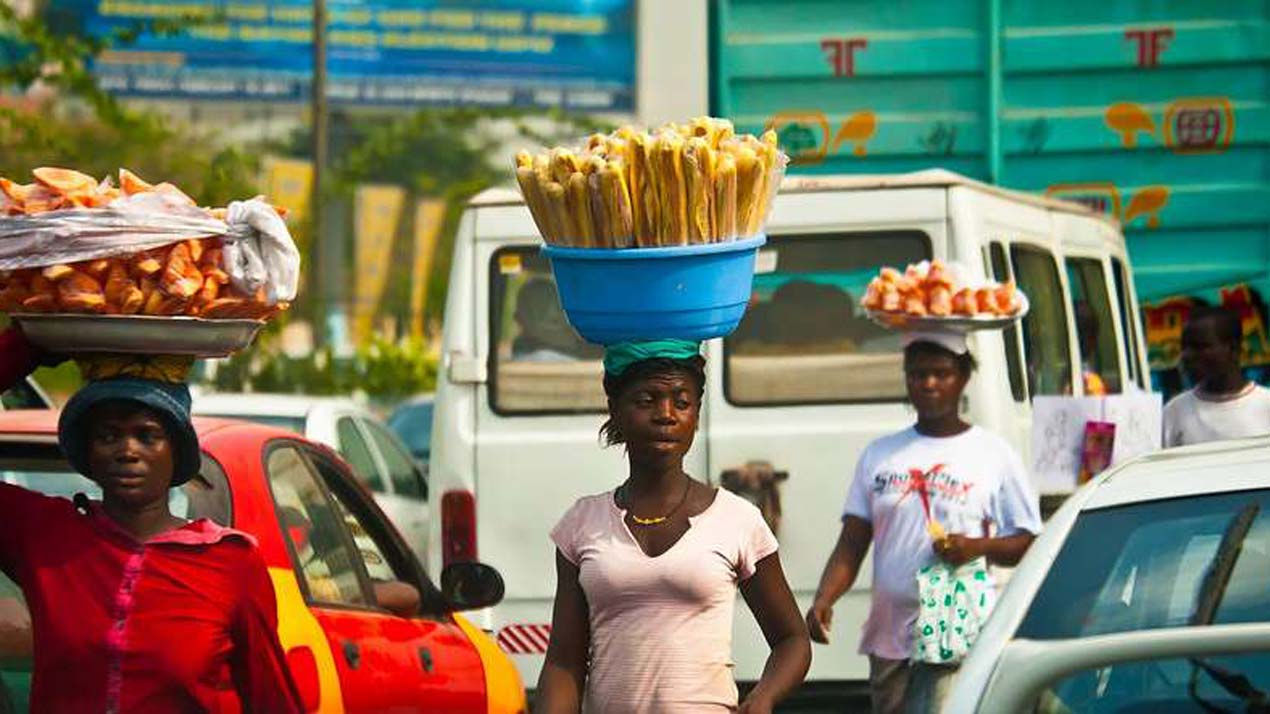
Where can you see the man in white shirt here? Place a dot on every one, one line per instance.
(1223, 404)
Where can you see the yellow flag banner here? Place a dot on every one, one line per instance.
(377, 209)
(429, 216)
(289, 183)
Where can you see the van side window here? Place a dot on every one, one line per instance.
(1001, 274)
(804, 339)
(1046, 347)
(1128, 319)
(1091, 308)
(538, 364)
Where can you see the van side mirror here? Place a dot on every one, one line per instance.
(471, 586)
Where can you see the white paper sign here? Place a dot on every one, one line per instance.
(1058, 433)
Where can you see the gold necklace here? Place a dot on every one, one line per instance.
(662, 519)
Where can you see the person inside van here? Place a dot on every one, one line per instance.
(647, 573)
(1087, 332)
(1223, 404)
(942, 469)
(545, 334)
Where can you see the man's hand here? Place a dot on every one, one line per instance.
(819, 619)
(957, 549)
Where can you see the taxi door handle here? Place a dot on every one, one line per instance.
(425, 659)
(352, 654)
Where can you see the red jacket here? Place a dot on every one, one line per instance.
(17, 358)
(185, 622)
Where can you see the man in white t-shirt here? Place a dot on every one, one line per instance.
(1223, 404)
(967, 479)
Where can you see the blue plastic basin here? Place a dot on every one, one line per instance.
(695, 292)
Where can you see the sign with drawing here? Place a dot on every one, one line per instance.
(1059, 433)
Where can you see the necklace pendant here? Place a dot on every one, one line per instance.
(647, 521)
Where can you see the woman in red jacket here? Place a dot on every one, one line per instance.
(134, 609)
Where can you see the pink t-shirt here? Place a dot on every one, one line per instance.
(661, 628)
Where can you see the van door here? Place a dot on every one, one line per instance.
(1093, 311)
(994, 224)
(538, 417)
(807, 381)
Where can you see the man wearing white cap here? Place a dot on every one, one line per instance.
(940, 489)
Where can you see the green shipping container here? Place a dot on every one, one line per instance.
(1154, 111)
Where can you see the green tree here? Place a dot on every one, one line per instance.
(446, 153)
(48, 49)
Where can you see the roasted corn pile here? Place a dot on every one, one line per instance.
(184, 278)
(931, 289)
(683, 184)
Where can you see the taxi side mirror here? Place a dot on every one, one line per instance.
(471, 586)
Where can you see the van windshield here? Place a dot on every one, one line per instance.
(538, 364)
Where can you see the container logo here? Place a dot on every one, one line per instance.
(808, 137)
(1199, 126)
(1106, 198)
(1191, 125)
(1151, 44)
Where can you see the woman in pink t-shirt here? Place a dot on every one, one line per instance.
(647, 573)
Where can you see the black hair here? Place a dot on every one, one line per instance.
(966, 362)
(1227, 324)
(616, 385)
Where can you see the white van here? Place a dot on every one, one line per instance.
(791, 399)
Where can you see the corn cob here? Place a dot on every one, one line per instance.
(617, 204)
(529, 188)
(749, 188)
(770, 155)
(578, 200)
(669, 180)
(558, 211)
(645, 208)
(599, 212)
(698, 170)
(725, 198)
(563, 163)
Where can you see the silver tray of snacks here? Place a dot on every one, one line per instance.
(899, 320)
(66, 333)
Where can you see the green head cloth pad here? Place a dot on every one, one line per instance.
(619, 357)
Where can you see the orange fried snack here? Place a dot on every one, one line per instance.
(80, 292)
(930, 290)
(185, 278)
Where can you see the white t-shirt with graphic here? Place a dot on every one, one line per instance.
(971, 480)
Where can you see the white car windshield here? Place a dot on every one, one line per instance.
(1142, 566)
(1185, 562)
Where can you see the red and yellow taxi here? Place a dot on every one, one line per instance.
(364, 628)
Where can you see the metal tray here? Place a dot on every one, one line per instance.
(905, 321)
(137, 334)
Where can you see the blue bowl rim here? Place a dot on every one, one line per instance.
(737, 246)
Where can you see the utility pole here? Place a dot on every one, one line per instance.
(319, 252)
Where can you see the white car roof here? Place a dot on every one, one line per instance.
(1217, 467)
(282, 405)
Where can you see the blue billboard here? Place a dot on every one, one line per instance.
(573, 54)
